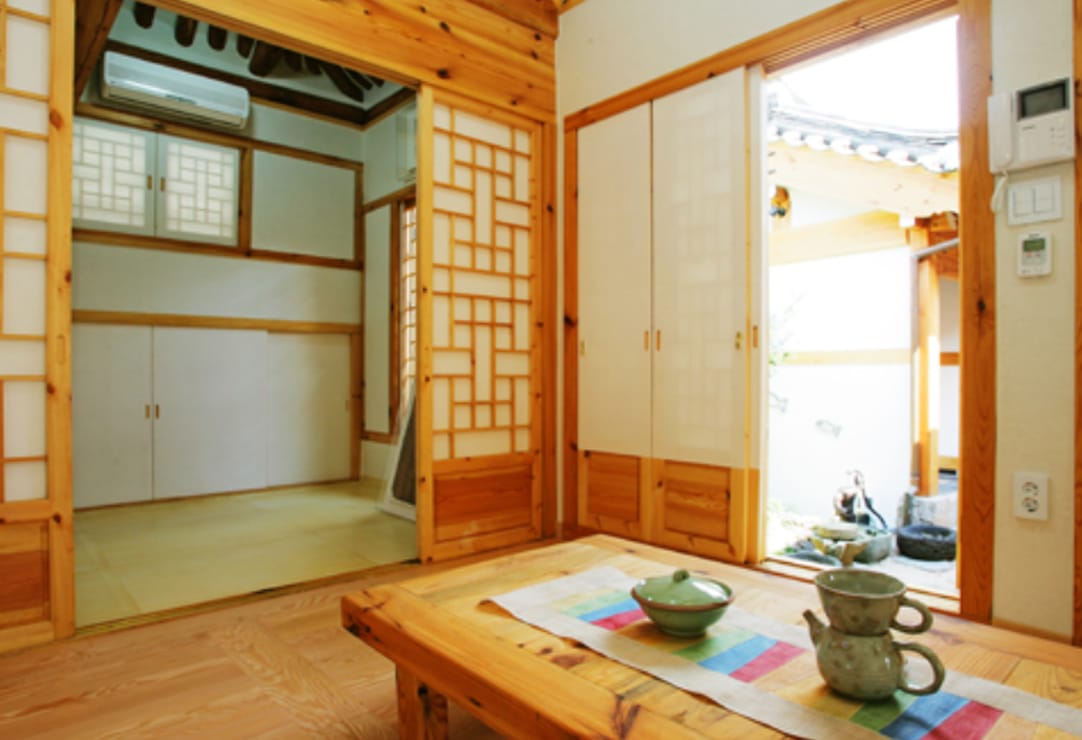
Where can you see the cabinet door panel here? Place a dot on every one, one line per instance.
(699, 272)
(111, 430)
(210, 386)
(199, 190)
(308, 425)
(614, 284)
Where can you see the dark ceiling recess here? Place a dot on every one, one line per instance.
(266, 61)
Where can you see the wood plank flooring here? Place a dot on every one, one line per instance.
(280, 667)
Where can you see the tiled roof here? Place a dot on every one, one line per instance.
(798, 125)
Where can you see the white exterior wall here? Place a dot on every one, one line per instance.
(608, 46)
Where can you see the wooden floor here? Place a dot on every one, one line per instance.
(143, 558)
(281, 668)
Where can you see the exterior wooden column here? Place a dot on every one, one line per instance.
(929, 376)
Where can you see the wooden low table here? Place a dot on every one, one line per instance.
(524, 682)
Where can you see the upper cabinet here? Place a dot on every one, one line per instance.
(139, 182)
(662, 277)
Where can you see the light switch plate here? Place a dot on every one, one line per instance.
(1034, 201)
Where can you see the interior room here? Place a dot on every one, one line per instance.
(513, 331)
(216, 418)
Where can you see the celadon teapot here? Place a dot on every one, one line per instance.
(867, 667)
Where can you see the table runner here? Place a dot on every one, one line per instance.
(767, 671)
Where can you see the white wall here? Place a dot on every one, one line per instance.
(381, 153)
(377, 318)
(106, 278)
(1035, 348)
(608, 46)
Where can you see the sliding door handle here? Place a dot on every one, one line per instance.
(157, 411)
(657, 340)
(146, 411)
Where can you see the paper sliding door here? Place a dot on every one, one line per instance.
(479, 416)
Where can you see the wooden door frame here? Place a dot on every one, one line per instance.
(1076, 637)
(817, 34)
(502, 62)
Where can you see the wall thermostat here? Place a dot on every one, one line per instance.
(1035, 254)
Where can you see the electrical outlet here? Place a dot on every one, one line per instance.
(1031, 496)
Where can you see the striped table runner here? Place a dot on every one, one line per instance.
(767, 671)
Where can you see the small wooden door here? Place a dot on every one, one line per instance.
(112, 423)
(210, 398)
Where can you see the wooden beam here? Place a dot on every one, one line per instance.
(838, 25)
(405, 43)
(244, 45)
(93, 22)
(185, 29)
(144, 15)
(137, 318)
(389, 105)
(928, 378)
(257, 88)
(571, 499)
(217, 37)
(265, 58)
(539, 15)
(866, 232)
(977, 507)
(293, 61)
(358, 79)
(343, 82)
(1077, 621)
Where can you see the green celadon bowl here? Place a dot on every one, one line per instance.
(681, 604)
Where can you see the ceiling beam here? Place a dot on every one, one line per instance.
(184, 32)
(217, 37)
(256, 88)
(540, 15)
(343, 82)
(93, 21)
(244, 45)
(358, 79)
(144, 15)
(265, 58)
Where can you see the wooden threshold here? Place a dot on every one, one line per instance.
(799, 570)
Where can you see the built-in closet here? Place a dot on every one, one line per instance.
(664, 318)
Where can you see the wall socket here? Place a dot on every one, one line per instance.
(1031, 496)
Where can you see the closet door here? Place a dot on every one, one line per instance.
(210, 396)
(308, 404)
(111, 421)
(614, 284)
(700, 273)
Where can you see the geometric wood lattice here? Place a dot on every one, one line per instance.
(482, 286)
(24, 113)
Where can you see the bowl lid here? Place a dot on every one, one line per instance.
(684, 589)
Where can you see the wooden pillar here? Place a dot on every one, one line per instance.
(422, 711)
(929, 376)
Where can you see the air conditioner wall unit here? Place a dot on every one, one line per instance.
(173, 92)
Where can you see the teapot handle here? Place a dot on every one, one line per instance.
(925, 617)
(937, 669)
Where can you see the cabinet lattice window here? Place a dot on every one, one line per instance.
(116, 168)
(112, 177)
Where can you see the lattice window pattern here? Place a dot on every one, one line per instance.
(482, 286)
(113, 176)
(199, 190)
(24, 125)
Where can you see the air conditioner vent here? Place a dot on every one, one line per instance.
(172, 92)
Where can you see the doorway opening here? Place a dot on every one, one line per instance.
(863, 300)
(235, 326)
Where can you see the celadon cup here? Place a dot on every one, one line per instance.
(866, 603)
